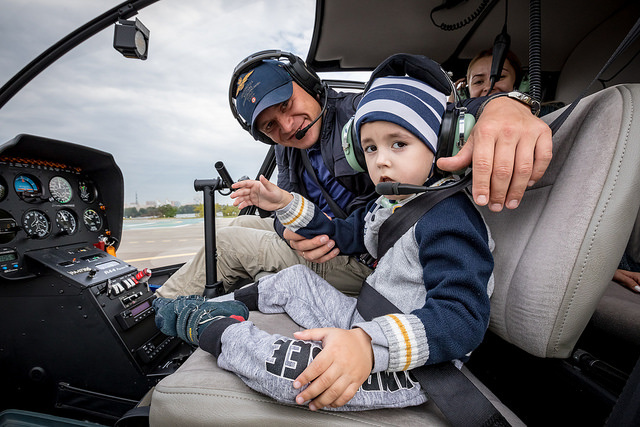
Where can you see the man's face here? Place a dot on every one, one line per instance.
(280, 122)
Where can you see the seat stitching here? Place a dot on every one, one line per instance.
(595, 231)
(265, 400)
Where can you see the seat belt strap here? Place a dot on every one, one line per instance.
(453, 393)
(626, 42)
(337, 210)
(404, 217)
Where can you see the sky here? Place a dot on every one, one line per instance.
(165, 120)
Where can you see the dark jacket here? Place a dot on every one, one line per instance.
(340, 107)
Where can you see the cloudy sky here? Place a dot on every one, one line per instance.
(166, 120)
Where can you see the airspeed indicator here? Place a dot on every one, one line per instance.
(60, 189)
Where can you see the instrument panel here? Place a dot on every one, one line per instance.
(60, 194)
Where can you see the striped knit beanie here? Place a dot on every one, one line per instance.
(407, 102)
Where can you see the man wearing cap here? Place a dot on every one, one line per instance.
(276, 108)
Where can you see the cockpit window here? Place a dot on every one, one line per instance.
(165, 120)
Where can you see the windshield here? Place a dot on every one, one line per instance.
(165, 120)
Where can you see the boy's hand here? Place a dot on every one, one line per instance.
(344, 363)
(318, 249)
(263, 194)
(510, 149)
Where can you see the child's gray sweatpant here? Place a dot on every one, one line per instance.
(270, 363)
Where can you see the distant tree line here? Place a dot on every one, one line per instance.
(168, 211)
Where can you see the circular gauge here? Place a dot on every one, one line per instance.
(27, 186)
(87, 191)
(66, 221)
(92, 220)
(36, 224)
(60, 189)
(8, 227)
(3, 188)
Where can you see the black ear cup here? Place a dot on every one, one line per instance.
(302, 75)
(296, 67)
(446, 137)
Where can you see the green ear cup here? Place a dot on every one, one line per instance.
(349, 146)
(469, 122)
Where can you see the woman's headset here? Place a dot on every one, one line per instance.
(456, 122)
(295, 66)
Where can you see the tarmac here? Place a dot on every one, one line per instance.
(153, 243)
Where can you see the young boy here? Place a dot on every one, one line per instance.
(437, 274)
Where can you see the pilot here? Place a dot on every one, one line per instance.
(509, 149)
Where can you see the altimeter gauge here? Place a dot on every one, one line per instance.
(66, 221)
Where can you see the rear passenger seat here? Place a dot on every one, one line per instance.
(613, 334)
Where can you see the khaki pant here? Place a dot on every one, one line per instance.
(249, 246)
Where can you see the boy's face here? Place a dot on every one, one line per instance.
(393, 154)
(280, 122)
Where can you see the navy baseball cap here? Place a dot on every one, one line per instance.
(260, 88)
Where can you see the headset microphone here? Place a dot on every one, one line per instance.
(302, 132)
(396, 188)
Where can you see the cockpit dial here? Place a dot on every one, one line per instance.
(36, 224)
(27, 186)
(87, 190)
(3, 188)
(92, 220)
(60, 189)
(66, 221)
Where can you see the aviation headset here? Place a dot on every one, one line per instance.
(295, 66)
(456, 123)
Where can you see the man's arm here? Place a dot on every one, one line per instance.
(509, 149)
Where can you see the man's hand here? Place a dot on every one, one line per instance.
(319, 249)
(262, 193)
(344, 363)
(510, 149)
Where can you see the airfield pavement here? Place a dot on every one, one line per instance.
(155, 243)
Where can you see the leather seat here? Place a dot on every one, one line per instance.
(200, 393)
(554, 258)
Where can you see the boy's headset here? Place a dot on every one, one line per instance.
(295, 66)
(456, 123)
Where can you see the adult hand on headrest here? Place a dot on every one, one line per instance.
(510, 149)
(417, 66)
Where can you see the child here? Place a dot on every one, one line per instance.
(437, 274)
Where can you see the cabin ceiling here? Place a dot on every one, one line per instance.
(355, 35)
